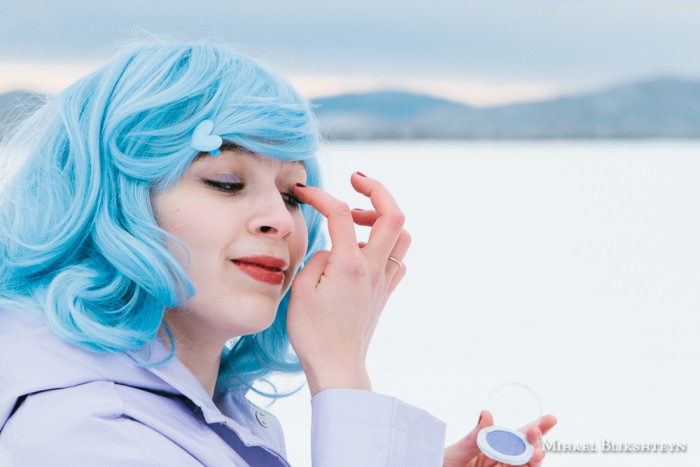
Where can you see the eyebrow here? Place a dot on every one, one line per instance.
(227, 146)
(236, 148)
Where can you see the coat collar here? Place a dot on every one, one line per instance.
(42, 361)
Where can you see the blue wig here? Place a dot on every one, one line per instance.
(78, 238)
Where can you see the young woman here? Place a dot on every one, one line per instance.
(161, 248)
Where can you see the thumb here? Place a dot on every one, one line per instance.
(313, 269)
(466, 448)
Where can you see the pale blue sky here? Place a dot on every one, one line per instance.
(506, 46)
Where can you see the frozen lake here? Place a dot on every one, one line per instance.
(572, 267)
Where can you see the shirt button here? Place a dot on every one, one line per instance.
(262, 418)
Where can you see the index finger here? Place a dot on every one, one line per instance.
(341, 226)
(543, 425)
(547, 423)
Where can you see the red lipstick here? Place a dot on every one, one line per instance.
(266, 269)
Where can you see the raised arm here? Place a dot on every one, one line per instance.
(339, 295)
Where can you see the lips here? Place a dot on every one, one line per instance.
(266, 269)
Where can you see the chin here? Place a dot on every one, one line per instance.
(252, 319)
(257, 326)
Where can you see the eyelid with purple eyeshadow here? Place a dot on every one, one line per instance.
(223, 177)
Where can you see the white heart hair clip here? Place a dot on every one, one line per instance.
(204, 141)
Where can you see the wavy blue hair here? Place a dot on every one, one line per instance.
(78, 237)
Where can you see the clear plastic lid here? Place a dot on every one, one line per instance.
(513, 406)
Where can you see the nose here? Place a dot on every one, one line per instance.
(271, 216)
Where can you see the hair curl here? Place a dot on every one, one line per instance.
(78, 238)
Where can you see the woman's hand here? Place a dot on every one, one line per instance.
(465, 452)
(337, 297)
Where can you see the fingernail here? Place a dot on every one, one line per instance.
(358, 209)
(360, 174)
(481, 415)
(301, 185)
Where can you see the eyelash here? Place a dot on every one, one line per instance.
(225, 186)
(290, 200)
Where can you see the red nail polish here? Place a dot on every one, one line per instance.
(301, 185)
(360, 174)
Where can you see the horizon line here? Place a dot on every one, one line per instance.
(33, 77)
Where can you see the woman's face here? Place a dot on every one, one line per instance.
(246, 237)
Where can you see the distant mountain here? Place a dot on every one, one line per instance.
(661, 108)
(383, 104)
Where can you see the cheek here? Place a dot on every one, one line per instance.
(301, 240)
(191, 225)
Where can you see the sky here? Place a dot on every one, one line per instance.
(482, 52)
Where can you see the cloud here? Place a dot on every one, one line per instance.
(40, 77)
(511, 43)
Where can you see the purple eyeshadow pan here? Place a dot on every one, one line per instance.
(505, 442)
(504, 445)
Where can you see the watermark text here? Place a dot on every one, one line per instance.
(613, 447)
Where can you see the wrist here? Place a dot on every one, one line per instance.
(338, 378)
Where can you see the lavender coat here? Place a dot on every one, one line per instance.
(64, 406)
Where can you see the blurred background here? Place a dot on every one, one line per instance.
(546, 154)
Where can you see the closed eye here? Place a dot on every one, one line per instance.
(226, 187)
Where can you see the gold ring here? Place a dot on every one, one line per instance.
(391, 258)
